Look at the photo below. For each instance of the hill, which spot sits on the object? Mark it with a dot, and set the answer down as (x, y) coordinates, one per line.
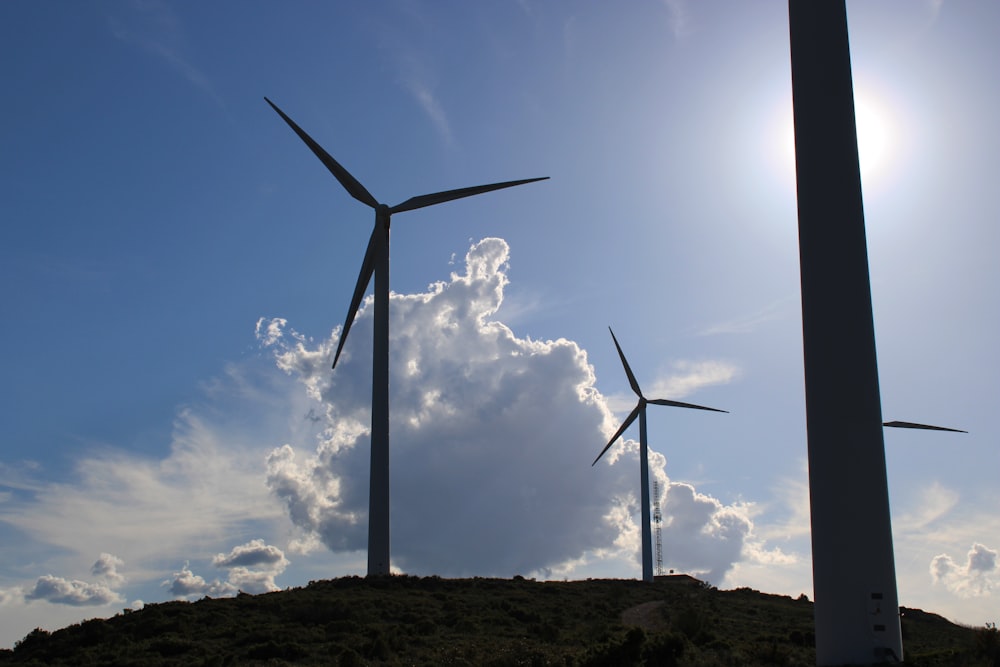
(403, 620)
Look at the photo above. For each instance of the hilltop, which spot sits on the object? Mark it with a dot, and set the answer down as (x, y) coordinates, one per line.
(403, 620)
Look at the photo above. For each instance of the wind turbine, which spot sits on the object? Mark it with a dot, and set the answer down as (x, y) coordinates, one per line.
(640, 411)
(377, 261)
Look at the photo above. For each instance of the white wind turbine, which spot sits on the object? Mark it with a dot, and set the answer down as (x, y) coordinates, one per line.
(377, 261)
(640, 411)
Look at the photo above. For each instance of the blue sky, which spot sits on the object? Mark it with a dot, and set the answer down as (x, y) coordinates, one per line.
(176, 266)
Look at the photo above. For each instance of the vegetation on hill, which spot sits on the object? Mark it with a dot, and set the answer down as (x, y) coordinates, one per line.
(404, 620)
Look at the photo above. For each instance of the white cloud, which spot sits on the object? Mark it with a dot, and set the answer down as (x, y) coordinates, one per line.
(976, 578)
(71, 592)
(74, 592)
(936, 502)
(750, 322)
(269, 331)
(688, 377)
(253, 553)
(432, 106)
(252, 581)
(186, 584)
(685, 378)
(679, 21)
(9, 595)
(700, 534)
(106, 567)
(253, 566)
(154, 27)
(492, 440)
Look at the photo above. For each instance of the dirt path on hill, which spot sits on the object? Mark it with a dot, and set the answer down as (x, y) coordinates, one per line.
(647, 616)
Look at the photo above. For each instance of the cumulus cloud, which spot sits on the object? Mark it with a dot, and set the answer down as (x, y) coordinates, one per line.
(492, 439)
(58, 590)
(253, 566)
(106, 568)
(253, 553)
(186, 584)
(977, 577)
(250, 568)
(71, 592)
(700, 534)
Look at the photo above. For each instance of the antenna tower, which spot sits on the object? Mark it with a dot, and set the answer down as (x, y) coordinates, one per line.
(657, 522)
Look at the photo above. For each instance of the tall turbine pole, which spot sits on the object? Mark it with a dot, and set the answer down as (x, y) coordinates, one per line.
(854, 578)
(378, 488)
(647, 546)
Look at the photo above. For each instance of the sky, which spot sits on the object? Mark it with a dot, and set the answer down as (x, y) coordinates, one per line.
(176, 266)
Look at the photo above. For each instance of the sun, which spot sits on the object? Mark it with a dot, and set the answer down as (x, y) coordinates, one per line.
(875, 136)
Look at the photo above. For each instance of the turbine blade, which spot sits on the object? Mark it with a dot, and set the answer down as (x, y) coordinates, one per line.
(448, 195)
(628, 369)
(351, 184)
(621, 429)
(678, 404)
(367, 268)
(926, 427)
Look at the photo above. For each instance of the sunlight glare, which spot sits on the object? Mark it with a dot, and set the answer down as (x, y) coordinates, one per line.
(874, 136)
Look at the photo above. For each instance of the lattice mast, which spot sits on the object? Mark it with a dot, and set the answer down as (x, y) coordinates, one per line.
(657, 524)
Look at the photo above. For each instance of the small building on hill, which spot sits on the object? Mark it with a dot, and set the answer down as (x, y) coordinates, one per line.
(681, 579)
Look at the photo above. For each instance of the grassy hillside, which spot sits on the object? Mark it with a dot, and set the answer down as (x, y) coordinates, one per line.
(404, 620)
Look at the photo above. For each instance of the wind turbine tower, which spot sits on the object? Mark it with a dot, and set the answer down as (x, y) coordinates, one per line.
(376, 262)
(854, 577)
(640, 411)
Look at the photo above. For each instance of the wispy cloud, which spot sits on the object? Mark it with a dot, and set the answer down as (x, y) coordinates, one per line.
(679, 18)
(205, 485)
(749, 322)
(687, 377)
(936, 501)
(432, 107)
(154, 27)
(684, 378)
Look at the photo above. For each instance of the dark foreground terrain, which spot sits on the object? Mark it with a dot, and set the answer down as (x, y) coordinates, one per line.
(404, 620)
